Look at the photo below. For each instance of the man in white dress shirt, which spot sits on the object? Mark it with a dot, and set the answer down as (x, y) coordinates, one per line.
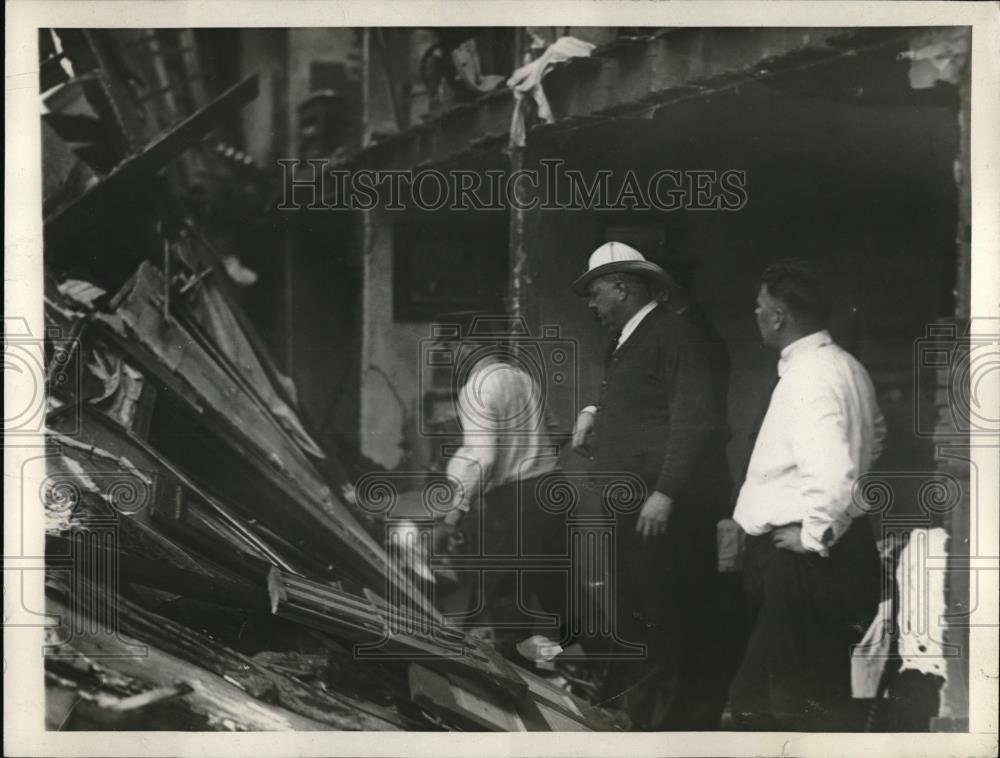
(812, 571)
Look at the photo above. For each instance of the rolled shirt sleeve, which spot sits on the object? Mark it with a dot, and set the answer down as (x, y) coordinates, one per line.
(471, 466)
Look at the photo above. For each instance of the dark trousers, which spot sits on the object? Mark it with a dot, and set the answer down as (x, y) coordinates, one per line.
(513, 597)
(665, 588)
(806, 612)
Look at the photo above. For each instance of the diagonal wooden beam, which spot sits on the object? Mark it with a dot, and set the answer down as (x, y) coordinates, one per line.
(98, 201)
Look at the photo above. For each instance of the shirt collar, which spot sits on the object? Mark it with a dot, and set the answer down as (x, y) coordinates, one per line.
(633, 322)
(802, 346)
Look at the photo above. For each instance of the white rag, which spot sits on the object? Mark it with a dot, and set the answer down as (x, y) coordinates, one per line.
(922, 603)
(919, 615)
(869, 657)
(528, 79)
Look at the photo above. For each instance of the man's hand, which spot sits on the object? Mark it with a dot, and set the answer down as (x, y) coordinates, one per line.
(789, 537)
(446, 531)
(454, 517)
(654, 515)
(446, 537)
(581, 432)
(443, 532)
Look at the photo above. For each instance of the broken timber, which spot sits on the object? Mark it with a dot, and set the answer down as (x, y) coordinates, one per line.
(133, 171)
(385, 632)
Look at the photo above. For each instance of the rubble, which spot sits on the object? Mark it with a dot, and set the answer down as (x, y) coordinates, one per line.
(207, 565)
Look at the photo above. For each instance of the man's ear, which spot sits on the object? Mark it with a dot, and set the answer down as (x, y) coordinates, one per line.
(780, 318)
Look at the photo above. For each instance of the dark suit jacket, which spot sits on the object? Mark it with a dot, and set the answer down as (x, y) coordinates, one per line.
(660, 415)
(716, 461)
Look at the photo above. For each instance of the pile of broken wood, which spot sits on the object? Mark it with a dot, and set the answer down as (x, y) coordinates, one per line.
(203, 571)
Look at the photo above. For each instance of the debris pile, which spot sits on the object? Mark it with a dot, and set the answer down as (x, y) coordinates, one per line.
(203, 567)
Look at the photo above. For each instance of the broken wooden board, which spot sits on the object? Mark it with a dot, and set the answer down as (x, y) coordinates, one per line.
(384, 633)
(463, 702)
(161, 346)
(469, 704)
(445, 651)
(200, 585)
(134, 172)
(214, 702)
(229, 540)
(150, 631)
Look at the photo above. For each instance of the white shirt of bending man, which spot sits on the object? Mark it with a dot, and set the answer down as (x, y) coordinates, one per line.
(823, 429)
(505, 434)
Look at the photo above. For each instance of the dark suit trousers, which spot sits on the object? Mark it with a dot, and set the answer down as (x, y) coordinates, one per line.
(806, 611)
(664, 588)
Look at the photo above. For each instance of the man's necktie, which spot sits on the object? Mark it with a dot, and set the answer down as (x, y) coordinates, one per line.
(612, 347)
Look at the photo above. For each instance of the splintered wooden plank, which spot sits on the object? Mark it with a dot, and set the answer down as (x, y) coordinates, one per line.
(561, 710)
(453, 658)
(216, 698)
(318, 601)
(190, 497)
(133, 173)
(551, 695)
(338, 627)
(559, 721)
(333, 617)
(463, 701)
(144, 699)
(256, 436)
(318, 610)
(371, 605)
(320, 607)
(251, 676)
(297, 592)
(454, 696)
(196, 584)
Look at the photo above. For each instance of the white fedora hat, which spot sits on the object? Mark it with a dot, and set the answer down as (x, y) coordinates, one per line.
(619, 258)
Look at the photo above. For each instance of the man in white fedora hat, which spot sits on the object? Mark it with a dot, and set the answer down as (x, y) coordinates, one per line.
(656, 418)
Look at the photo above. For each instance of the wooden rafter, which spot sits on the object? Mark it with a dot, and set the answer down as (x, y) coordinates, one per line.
(129, 176)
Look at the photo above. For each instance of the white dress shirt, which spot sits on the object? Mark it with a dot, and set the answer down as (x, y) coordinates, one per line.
(505, 434)
(626, 332)
(823, 429)
(632, 323)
